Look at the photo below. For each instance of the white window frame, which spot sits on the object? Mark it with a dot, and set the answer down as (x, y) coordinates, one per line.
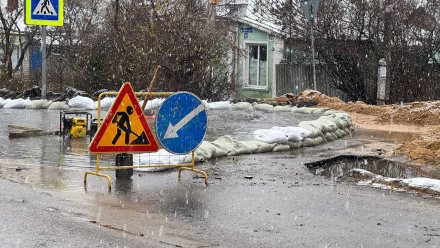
(246, 84)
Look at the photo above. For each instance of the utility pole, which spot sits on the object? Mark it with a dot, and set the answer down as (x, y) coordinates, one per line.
(310, 8)
(312, 22)
(43, 62)
(387, 40)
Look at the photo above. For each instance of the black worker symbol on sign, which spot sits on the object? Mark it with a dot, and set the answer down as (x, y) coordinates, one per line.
(123, 124)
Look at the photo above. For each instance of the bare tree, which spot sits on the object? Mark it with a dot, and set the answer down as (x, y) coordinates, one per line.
(353, 35)
(13, 37)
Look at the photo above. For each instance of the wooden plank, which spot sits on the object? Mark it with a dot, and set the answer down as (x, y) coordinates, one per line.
(25, 128)
(28, 134)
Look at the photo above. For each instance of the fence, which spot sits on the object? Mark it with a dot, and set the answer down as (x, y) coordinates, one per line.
(294, 78)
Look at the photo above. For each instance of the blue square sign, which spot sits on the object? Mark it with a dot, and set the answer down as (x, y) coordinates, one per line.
(44, 12)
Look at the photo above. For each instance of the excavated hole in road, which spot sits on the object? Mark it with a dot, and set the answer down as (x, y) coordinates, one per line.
(338, 167)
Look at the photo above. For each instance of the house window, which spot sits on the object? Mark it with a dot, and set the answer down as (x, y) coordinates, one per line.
(257, 66)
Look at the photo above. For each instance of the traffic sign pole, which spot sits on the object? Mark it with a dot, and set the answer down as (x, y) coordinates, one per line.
(44, 13)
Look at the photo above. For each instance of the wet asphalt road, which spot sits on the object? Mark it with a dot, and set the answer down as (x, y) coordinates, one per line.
(263, 200)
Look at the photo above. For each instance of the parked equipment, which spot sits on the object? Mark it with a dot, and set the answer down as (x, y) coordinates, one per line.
(75, 124)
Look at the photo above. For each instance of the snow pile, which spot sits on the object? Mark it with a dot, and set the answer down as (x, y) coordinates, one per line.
(38, 104)
(3, 102)
(106, 103)
(222, 105)
(58, 106)
(423, 184)
(19, 103)
(81, 102)
(281, 135)
(161, 157)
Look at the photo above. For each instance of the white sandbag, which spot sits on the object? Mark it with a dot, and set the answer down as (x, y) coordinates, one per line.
(261, 147)
(281, 148)
(304, 110)
(19, 103)
(226, 143)
(343, 116)
(263, 107)
(293, 133)
(308, 142)
(38, 104)
(206, 151)
(340, 133)
(312, 141)
(231, 146)
(319, 140)
(317, 128)
(282, 109)
(58, 106)
(3, 102)
(294, 145)
(106, 103)
(330, 112)
(341, 123)
(222, 105)
(161, 157)
(245, 106)
(270, 136)
(314, 131)
(330, 137)
(251, 145)
(320, 111)
(81, 102)
(328, 123)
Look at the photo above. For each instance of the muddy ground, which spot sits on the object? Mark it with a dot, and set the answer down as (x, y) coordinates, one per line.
(420, 120)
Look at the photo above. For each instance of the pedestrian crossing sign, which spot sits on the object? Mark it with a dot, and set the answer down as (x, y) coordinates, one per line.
(125, 128)
(44, 12)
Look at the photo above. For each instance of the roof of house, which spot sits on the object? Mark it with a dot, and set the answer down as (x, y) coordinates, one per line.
(253, 14)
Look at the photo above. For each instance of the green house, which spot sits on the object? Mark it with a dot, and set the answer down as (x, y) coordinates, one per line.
(259, 48)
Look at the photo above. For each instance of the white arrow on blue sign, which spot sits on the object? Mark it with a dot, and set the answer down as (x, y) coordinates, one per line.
(181, 123)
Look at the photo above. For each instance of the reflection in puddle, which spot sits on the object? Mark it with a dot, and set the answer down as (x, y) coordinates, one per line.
(341, 165)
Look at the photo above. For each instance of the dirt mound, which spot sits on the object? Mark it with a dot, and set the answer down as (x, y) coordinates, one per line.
(424, 148)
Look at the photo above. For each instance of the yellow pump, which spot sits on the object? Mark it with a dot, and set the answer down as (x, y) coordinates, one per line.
(79, 127)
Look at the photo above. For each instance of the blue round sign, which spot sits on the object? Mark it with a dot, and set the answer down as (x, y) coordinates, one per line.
(181, 123)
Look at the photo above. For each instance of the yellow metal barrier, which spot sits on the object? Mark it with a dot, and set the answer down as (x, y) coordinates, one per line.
(185, 166)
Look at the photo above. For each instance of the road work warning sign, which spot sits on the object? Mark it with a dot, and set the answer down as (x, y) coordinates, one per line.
(125, 128)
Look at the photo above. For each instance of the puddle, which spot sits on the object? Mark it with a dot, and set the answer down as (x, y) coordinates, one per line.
(384, 136)
(341, 165)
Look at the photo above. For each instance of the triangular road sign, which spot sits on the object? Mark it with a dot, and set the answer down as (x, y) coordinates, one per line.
(125, 128)
(45, 7)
